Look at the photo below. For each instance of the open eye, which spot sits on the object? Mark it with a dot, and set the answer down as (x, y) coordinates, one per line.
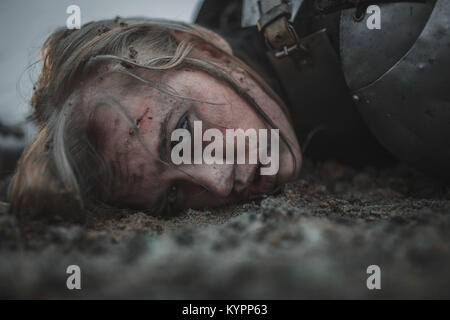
(182, 124)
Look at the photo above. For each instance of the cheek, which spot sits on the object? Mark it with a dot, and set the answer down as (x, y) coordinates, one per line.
(139, 179)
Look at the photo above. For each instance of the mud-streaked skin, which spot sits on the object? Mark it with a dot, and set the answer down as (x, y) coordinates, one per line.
(144, 176)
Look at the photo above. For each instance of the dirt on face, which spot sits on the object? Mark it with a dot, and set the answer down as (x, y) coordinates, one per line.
(315, 239)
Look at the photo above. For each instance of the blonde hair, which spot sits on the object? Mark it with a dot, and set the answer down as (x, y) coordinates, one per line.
(60, 171)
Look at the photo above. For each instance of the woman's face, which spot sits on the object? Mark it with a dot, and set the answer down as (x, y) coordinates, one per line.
(144, 174)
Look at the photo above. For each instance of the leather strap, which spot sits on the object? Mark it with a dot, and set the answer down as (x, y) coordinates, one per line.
(274, 23)
(270, 10)
(280, 35)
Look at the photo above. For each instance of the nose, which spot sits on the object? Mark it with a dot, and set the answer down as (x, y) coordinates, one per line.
(217, 178)
(244, 176)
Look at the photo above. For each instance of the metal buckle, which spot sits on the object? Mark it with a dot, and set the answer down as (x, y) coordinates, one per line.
(286, 51)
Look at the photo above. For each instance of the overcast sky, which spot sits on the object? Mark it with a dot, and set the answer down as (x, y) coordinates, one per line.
(24, 26)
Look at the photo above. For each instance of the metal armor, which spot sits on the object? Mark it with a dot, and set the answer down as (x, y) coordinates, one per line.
(347, 79)
(404, 96)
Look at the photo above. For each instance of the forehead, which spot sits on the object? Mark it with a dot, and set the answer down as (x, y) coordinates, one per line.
(115, 101)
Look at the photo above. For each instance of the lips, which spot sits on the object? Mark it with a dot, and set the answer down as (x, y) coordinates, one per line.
(263, 184)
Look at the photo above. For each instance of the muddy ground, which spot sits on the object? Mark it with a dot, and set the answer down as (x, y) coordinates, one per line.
(313, 240)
